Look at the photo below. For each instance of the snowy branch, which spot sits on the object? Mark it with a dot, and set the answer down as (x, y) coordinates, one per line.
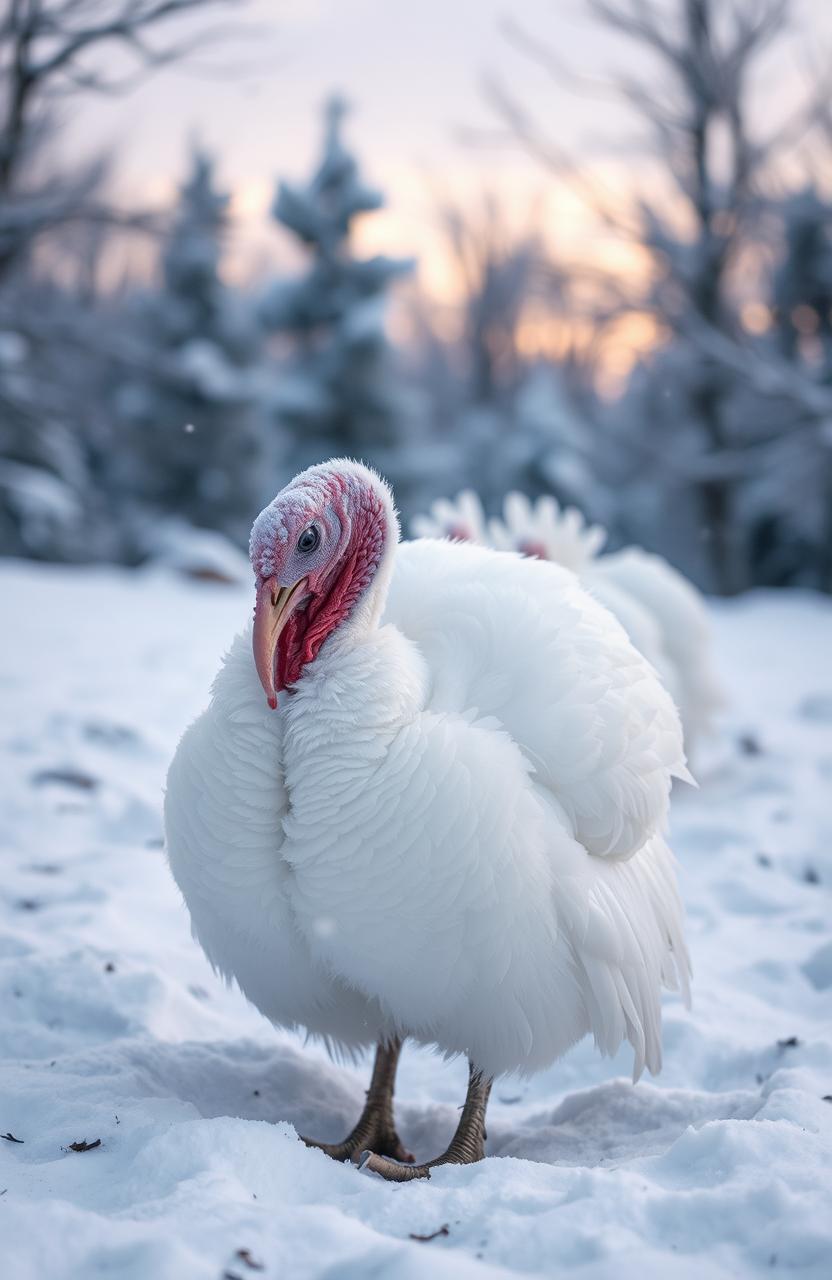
(44, 51)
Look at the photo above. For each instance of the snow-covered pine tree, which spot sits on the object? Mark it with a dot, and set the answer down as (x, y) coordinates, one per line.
(192, 429)
(55, 211)
(336, 390)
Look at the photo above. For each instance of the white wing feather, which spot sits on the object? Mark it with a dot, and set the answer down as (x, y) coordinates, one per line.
(518, 640)
(663, 614)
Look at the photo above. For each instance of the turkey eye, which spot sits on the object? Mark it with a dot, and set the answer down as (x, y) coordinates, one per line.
(309, 539)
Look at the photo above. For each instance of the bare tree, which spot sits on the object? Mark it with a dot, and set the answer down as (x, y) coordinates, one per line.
(499, 270)
(49, 51)
(507, 376)
(694, 109)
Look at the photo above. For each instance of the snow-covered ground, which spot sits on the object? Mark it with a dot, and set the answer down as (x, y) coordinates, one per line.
(113, 1028)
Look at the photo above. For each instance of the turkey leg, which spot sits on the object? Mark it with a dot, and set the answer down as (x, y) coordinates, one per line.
(467, 1145)
(376, 1127)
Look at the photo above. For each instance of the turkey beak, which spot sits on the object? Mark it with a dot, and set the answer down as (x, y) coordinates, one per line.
(271, 613)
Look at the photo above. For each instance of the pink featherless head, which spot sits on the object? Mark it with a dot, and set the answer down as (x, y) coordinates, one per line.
(315, 550)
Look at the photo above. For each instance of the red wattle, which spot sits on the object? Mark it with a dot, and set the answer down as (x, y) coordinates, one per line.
(334, 598)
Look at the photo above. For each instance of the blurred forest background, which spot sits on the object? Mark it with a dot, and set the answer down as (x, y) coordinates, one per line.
(677, 389)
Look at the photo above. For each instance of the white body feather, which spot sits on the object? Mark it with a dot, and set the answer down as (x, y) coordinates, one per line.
(452, 828)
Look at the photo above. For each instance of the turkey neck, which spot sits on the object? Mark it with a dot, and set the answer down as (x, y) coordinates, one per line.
(365, 683)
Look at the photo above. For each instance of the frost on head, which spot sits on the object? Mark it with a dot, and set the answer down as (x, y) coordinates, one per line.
(340, 484)
(269, 528)
(270, 531)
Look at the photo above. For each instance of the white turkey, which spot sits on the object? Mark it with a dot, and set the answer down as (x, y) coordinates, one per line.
(661, 611)
(428, 799)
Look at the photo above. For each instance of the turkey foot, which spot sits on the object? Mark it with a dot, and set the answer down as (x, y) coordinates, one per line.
(376, 1127)
(467, 1145)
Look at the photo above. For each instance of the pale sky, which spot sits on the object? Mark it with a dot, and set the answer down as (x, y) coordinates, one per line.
(413, 70)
